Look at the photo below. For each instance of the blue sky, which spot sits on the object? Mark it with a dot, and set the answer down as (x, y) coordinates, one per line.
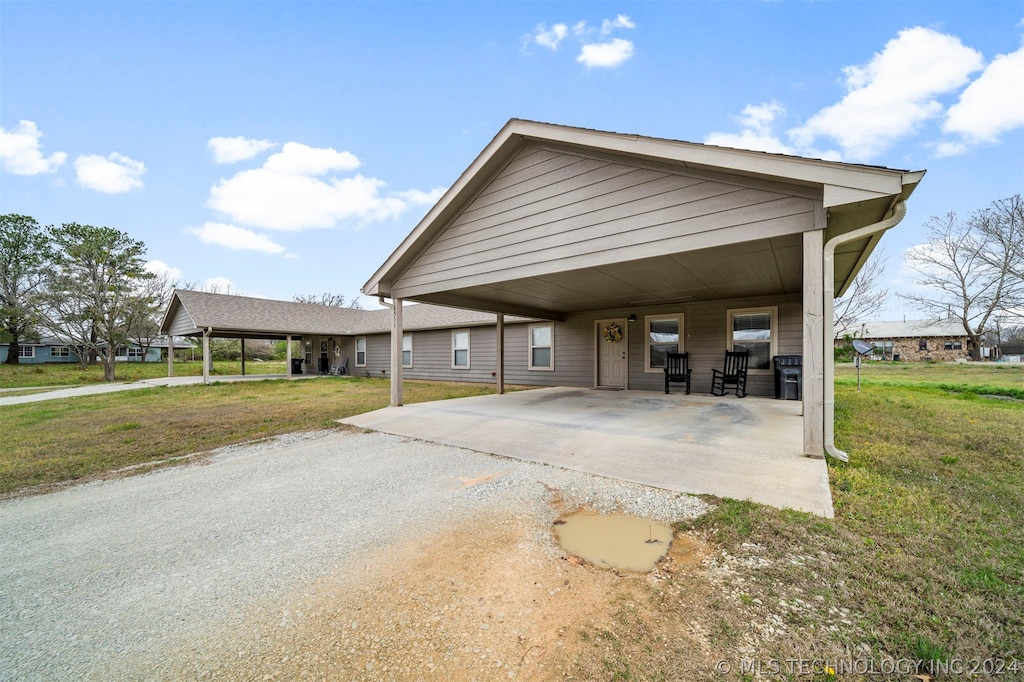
(287, 148)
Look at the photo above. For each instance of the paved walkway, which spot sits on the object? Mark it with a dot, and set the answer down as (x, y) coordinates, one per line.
(748, 448)
(94, 389)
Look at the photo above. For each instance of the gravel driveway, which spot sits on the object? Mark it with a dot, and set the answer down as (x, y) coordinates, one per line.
(95, 580)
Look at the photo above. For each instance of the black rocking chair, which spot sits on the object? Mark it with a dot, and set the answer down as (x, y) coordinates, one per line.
(677, 369)
(733, 375)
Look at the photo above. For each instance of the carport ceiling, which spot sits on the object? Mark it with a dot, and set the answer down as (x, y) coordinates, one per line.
(758, 268)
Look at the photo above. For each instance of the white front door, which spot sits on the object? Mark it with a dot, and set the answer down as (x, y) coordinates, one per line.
(611, 354)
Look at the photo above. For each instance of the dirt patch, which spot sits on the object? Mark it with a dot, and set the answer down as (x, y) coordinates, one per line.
(485, 600)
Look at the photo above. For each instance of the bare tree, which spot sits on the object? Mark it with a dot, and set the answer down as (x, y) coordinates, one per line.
(970, 270)
(863, 297)
(146, 308)
(1002, 224)
(333, 300)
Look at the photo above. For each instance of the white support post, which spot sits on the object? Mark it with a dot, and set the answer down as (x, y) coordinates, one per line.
(814, 346)
(206, 356)
(288, 355)
(499, 344)
(396, 352)
(170, 355)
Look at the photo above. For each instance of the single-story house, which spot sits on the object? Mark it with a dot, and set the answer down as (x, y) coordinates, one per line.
(52, 349)
(1011, 353)
(915, 340)
(572, 257)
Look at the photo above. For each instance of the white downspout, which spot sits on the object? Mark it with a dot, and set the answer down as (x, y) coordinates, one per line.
(829, 267)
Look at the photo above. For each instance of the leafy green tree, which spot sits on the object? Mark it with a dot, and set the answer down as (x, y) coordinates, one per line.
(24, 256)
(93, 289)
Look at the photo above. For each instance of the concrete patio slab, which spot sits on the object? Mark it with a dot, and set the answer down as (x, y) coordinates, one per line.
(748, 448)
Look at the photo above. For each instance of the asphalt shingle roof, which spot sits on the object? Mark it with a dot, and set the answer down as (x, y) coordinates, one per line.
(897, 329)
(246, 314)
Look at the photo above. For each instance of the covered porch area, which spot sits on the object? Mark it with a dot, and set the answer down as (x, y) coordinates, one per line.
(746, 449)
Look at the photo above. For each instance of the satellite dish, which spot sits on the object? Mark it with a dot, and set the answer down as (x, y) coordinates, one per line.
(863, 347)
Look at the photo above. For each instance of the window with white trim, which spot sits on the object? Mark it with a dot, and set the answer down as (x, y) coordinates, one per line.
(664, 336)
(407, 350)
(460, 348)
(26, 351)
(60, 352)
(360, 351)
(754, 329)
(542, 346)
(134, 352)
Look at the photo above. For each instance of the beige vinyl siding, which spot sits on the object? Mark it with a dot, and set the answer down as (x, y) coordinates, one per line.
(181, 324)
(575, 340)
(551, 211)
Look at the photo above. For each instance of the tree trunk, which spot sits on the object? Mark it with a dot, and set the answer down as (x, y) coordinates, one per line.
(975, 346)
(108, 368)
(12, 352)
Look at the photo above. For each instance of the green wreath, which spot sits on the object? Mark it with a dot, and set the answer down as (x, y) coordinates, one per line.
(612, 333)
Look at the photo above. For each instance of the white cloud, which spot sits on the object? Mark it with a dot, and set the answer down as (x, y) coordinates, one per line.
(421, 198)
(218, 285)
(236, 238)
(890, 96)
(234, 149)
(621, 21)
(299, 159)
(757, 130)
(993, 104)
(550, 38)
(605, 55)
(162, 269)
(111, 175)
(19, 149)
(287, 194)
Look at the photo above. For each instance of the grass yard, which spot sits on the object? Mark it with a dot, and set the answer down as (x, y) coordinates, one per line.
(62, 440)
(925, 556)
(922, 566)
(71, 374)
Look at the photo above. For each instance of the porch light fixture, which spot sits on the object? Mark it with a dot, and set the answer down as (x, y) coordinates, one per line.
(632, 317)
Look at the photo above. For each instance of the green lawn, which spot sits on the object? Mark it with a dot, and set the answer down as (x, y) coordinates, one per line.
(925, 556)
(62, 440)
(71, 374)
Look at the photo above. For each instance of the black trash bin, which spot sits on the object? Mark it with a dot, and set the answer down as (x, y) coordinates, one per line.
(296, 365)
(788, 376)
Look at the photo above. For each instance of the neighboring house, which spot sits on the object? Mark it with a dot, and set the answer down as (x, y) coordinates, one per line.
(915, 340)
(1011, 353)
(46, 349)
(609, 251)
(52, 349)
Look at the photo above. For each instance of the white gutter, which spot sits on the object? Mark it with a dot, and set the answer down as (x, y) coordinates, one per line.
(829, 267)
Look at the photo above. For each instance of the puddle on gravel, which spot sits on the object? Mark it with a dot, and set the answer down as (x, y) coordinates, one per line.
(614, 541)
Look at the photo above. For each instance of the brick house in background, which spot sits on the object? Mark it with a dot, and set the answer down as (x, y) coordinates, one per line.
(915, 340)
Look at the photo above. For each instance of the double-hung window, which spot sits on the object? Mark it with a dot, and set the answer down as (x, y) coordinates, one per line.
(60, 352)
(360, 351)
(407, 350)
(754, 330)
(664, 336)
(460, 348)
(26, 351)
(542, 346)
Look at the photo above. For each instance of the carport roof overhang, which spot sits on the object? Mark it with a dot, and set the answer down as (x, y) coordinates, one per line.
(744, 260)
